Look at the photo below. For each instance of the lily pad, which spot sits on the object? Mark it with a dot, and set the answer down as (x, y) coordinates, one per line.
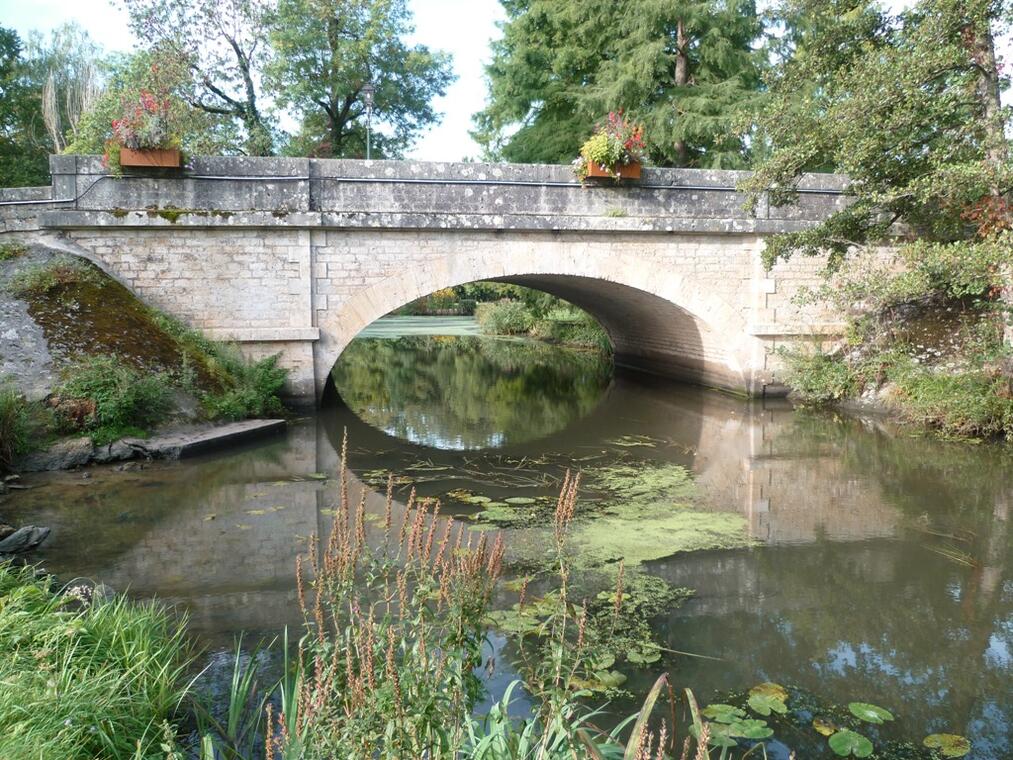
(846, 742)
(604, 661)
(613, 679)
(764, 704)
(751, 728)
(643, 656)
(519, 500)
(949, 745)
(719, 735)
(824, 727)
(723, 713)
(769, 689)
(476, 499)
(870, 713)
(317, 476)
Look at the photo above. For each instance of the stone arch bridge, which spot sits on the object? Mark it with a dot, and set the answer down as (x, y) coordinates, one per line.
(296, 256)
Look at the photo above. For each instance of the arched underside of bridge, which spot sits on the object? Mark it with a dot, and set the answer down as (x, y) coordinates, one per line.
(658, 321)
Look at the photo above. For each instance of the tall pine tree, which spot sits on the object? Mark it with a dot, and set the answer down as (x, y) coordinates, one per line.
(687, 70)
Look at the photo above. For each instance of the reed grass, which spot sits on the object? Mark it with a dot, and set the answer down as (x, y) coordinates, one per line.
(84, 678)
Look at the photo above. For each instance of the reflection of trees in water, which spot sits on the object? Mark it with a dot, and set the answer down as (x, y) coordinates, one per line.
(880, 621)
(467, 392)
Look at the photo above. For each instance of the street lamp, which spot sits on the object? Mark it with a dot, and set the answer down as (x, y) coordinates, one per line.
(368, 90)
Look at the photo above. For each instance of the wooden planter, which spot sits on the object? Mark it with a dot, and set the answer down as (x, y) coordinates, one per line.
(164, 158)
(626, 171)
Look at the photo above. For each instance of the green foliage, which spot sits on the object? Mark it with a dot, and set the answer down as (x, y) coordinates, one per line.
(252, 390)
(870, 713)
(126, 400)
(158, 70)
(906, 106)
(12, 250)
(242, 388)
(84, 679)
(22, 425)
(846, 742)
(325, 51)
(24, 159)
(504, 317)
(212, 54)
(41, 279)
(818, 378)
(688, 71)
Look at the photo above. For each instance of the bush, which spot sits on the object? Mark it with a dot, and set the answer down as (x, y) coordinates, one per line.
(968, 404)
(253, 388)
(15, 425)
(581, 331)
(504, 317)
(126, 401)
(817, 378)
(83, 678)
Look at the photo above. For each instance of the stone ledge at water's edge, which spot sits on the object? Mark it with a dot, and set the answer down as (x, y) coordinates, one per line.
(171, 444)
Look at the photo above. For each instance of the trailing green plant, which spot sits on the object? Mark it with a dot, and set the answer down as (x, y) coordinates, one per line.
(85, 677)
(818, 378)
(126, 401)
(251, 387)
(504, 317)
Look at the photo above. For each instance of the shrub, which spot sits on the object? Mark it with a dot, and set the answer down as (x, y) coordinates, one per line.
(83, 678)
(12, 250)
(818, 378)
(504, 317)
(968, 404)
(126, 401)
(20, 425)
(252, 390)
(581, 331)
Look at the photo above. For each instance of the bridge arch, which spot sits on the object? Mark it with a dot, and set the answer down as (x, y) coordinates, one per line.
(659, 320)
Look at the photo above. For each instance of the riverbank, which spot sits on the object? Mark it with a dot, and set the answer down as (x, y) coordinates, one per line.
(87, 370)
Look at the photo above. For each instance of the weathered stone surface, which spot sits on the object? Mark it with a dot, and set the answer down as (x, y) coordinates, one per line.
(23, 540)
(62, 455)
(296, 256)
(185, 443)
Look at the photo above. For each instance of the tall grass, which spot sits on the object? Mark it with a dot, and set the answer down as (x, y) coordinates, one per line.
(84, 679)
(15, 425)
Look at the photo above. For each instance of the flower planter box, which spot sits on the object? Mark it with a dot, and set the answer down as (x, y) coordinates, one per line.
(626, 171)
(165, 158)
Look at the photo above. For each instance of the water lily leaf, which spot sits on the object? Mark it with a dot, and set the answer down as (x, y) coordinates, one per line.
(769, 689)
(723, 713)
(642, 656)
(476, 499)
(612, 678)
(604, 661)
(210, 517)
(870, 713)
(949, 745)
(256, 511)
(519, 500)
(496, 504)
(719, 735)
(317, 476)
(750, 728)
(764, 704)
(824, 727)
(846, 742)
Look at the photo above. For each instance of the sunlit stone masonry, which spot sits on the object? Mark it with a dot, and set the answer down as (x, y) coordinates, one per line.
(296, 256)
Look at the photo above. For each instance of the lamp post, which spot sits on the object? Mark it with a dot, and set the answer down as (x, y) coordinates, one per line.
(368, 90)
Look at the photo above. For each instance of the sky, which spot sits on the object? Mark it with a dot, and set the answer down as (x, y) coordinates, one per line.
(462, 27)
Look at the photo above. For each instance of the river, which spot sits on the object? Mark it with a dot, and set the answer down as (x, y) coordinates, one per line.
(842, 556)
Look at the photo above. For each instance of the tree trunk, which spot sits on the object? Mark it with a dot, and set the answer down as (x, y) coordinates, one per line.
(681, 80)
(982, 45)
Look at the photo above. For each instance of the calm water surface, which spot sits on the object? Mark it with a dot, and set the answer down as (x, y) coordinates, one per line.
(868, 564)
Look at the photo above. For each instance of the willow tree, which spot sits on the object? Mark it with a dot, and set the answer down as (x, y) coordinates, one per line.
(326, 51)
(689, 71)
